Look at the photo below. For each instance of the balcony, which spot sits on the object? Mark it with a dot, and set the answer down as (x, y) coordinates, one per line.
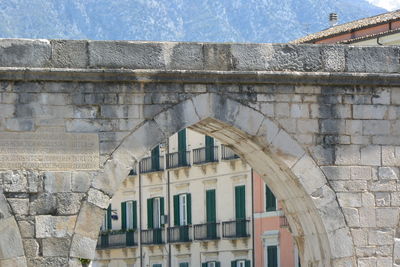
(153, 236)
(205, 155)
(236, 229)
(178, 159)
(151, 164)
(283, 222)
(117, 239)
(207, 231)
(227, 153)
(179, 234)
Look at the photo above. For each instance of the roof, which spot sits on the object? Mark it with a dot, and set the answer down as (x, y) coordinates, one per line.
(350, 27)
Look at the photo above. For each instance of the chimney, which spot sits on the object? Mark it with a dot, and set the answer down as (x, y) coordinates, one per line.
(333, 18)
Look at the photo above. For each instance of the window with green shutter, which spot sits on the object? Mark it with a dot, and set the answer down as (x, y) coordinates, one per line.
(240, 263)
(270, 200)
(150, 224)
(240, 210)
(157, 265)
(123, 215)
(184, 264)
(272, 256)
(109, 222)
(182, 147)
(209, 148)
(182, 209)
(155, 158)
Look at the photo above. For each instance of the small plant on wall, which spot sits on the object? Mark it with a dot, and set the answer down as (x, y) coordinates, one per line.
(85, 262)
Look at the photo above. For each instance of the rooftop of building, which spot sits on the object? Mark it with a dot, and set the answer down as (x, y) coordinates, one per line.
(353, 26)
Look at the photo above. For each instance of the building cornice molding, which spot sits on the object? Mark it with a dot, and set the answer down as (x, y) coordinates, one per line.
(197, 76)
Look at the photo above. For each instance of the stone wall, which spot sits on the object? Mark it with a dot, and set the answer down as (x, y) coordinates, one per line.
(319, 123)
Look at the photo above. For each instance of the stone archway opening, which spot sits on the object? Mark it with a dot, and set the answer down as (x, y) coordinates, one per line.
(314, 216)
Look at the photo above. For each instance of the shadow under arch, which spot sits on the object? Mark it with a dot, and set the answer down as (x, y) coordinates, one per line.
(311, 207)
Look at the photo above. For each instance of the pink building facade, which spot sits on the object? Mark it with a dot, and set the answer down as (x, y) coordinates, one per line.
(273, 243)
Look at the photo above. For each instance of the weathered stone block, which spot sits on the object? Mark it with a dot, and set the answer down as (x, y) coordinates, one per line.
(44, 203)
(348, 155)
(55, 182)
(54, 226)
(27, 229)
(83, 247)
(388, 173)
(14, 182)
(387, 217)
(69, 203)
(85, 224)
(10, 241)
(31, 248)
(19, 206)
(56, 247)
(98, 198)
(21, 53)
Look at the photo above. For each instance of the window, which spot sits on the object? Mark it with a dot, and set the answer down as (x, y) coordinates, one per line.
(157, 265)
(155, 209)
(270, 200)
(209, 148)
(128, 215)
(184, 264)
(182, 148)
(272, 256)
(211, 264)
(240, 263)
(182, 210)
(271, 248)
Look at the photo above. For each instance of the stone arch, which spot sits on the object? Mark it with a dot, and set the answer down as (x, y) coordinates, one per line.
(314, 215)
(11, 246)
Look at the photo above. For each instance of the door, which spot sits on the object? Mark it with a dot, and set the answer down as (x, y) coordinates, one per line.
(209, 149)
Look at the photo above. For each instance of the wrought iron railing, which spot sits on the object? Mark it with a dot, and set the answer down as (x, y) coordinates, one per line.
(117, 239)
(205, 154)
(206, 231)
(179, 234)
(151, 164)
(153, 236)
(178, 159)
(236, 229)
(283, 222)
(227, 153)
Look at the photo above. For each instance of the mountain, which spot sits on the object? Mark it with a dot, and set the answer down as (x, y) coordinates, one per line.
(175, 20)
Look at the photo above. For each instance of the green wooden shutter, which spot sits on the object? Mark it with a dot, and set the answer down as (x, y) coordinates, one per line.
(155, 158)
(247, 263)
(134, 214)
(240, 202)
(209, 148)
(162, 208)
(109, 223)
(182, 147)
(123, 215)
(150, 213)
(189, 208)
(217, 264)
(270, 200)
(184, 264)
(272, 252)
(211, 215)
(233, 263)
(176, 210)
(204, 264)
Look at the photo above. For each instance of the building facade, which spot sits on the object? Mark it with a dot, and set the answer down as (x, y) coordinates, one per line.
(194, 202)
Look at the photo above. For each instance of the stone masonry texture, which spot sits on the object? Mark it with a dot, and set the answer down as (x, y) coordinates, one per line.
(320, 123)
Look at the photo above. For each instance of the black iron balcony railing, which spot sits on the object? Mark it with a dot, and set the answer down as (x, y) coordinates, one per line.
(283, 222)
(207, 231)
(153, 236)
(179, 234)
(117, 239)
(236, 229)
(178, 159)
(227, 153)
(205, 154)
(151, 164)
